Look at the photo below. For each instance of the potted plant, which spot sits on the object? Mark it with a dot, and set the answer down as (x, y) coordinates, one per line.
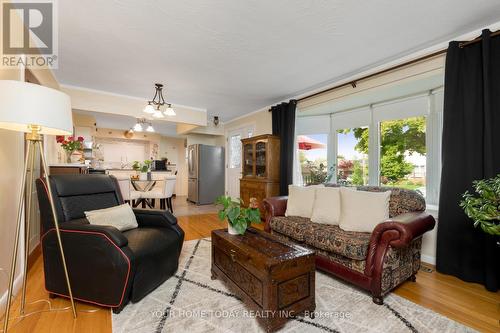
(71, 146)
(484, 208)
(239, 218)
(143, 168)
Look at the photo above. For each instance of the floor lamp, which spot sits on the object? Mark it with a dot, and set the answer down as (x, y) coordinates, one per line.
(36, 110)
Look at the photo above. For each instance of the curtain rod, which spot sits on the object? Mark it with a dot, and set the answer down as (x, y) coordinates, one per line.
(431, 55)
(478, 39)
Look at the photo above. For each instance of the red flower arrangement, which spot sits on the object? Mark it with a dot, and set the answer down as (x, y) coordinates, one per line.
(70, 144)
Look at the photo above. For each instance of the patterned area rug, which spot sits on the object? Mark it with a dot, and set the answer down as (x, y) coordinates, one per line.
(192, 302)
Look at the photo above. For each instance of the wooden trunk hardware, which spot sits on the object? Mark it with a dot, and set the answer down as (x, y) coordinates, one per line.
(275, 278)
(260, 168)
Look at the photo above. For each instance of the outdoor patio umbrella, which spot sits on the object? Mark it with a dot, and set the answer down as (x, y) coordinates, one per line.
(307, 143)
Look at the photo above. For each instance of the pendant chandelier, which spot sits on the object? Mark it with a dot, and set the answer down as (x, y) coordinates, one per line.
(157, 102)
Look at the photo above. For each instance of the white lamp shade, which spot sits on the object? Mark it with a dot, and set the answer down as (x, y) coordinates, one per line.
(170, 111)
(137, 127)
(158, 114)
(23, 104)
(149, 109)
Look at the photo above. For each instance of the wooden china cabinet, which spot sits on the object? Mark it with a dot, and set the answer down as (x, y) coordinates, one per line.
(260, 168)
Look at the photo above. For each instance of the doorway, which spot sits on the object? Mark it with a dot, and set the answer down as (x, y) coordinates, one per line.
(234, 158)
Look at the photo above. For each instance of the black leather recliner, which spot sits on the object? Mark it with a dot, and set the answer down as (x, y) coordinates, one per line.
(105, 266)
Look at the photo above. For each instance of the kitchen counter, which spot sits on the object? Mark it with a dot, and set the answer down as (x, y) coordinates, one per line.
(114, 169)
(68, 165)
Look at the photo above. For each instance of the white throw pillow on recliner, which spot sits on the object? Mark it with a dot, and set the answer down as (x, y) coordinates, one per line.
(327, 206)
(121, 217)
(300, 200)
(362, 211)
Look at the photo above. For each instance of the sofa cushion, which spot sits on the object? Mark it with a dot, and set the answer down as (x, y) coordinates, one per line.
(326, 207)
(331, 238)
(300, 201)
(355, 265)
(362, 211)
(402, 200)
(294, 227)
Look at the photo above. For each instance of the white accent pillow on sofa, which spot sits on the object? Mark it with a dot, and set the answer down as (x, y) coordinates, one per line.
(361, 210)
(121, 217)
(326, 207)
(300, 200)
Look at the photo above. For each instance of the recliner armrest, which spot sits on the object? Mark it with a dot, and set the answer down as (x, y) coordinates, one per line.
(274, 206)
(83, 226)
(154, 218)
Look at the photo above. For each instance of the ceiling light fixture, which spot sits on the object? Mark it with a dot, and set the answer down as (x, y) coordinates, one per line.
(170, 111)
(158, 115)
(143, 125)
(154, 105)
(137, 127)
(149, 109)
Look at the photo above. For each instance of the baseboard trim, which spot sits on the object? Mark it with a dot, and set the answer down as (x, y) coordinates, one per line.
(34, 255)
(17, 287)
(428, 259)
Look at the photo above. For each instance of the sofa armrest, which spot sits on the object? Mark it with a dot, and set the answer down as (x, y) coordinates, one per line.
(154, 218)
(273, 206)
(82, 225)
(408, 227)
(397, 232)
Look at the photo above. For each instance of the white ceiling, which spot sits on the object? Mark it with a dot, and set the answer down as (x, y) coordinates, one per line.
(113, 121)
(233, 57)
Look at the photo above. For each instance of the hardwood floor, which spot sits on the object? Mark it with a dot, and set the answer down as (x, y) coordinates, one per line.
(464, 302)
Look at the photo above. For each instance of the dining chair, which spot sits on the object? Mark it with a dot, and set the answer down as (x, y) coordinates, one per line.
(164, 193)
(128, 194)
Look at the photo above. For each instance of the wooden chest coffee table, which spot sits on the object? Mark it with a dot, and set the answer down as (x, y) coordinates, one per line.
(273, 277)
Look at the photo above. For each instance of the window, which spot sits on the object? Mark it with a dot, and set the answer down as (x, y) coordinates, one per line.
(403, 153)
(352, 156)
(235, 151)
(394, 143)
(312, 154)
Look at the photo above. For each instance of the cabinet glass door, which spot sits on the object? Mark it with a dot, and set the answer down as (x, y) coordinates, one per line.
(260, 159)
(248, 161)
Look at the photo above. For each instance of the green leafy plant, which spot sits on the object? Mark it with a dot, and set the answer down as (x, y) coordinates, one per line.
(239, 217)
(142, 167)
(484, 208)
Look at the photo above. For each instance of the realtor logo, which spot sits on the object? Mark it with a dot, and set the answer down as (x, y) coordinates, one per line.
(29, 33)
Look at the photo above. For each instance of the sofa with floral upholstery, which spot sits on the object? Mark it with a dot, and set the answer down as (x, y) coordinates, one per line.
(378, 261)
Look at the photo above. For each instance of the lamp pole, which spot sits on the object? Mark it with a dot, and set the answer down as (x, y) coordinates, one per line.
(34, 140)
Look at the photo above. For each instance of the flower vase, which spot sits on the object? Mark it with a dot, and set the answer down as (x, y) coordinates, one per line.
(231, 230)
(68, 155)
(143, 176)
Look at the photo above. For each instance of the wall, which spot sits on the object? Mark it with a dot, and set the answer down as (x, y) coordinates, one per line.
(211, 140)
(174, 150)
(151, 139)
(261, 119)
(12, 154)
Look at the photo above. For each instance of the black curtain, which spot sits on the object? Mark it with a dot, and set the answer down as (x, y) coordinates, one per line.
(471, 150)
(284, 127)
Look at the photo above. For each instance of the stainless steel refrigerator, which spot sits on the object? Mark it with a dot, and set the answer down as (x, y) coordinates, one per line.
(206, 173)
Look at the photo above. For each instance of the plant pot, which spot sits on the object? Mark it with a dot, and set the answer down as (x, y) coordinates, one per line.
(143, 176)
(231, 230)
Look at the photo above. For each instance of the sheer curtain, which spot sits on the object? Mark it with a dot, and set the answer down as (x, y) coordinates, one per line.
(297, 169)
